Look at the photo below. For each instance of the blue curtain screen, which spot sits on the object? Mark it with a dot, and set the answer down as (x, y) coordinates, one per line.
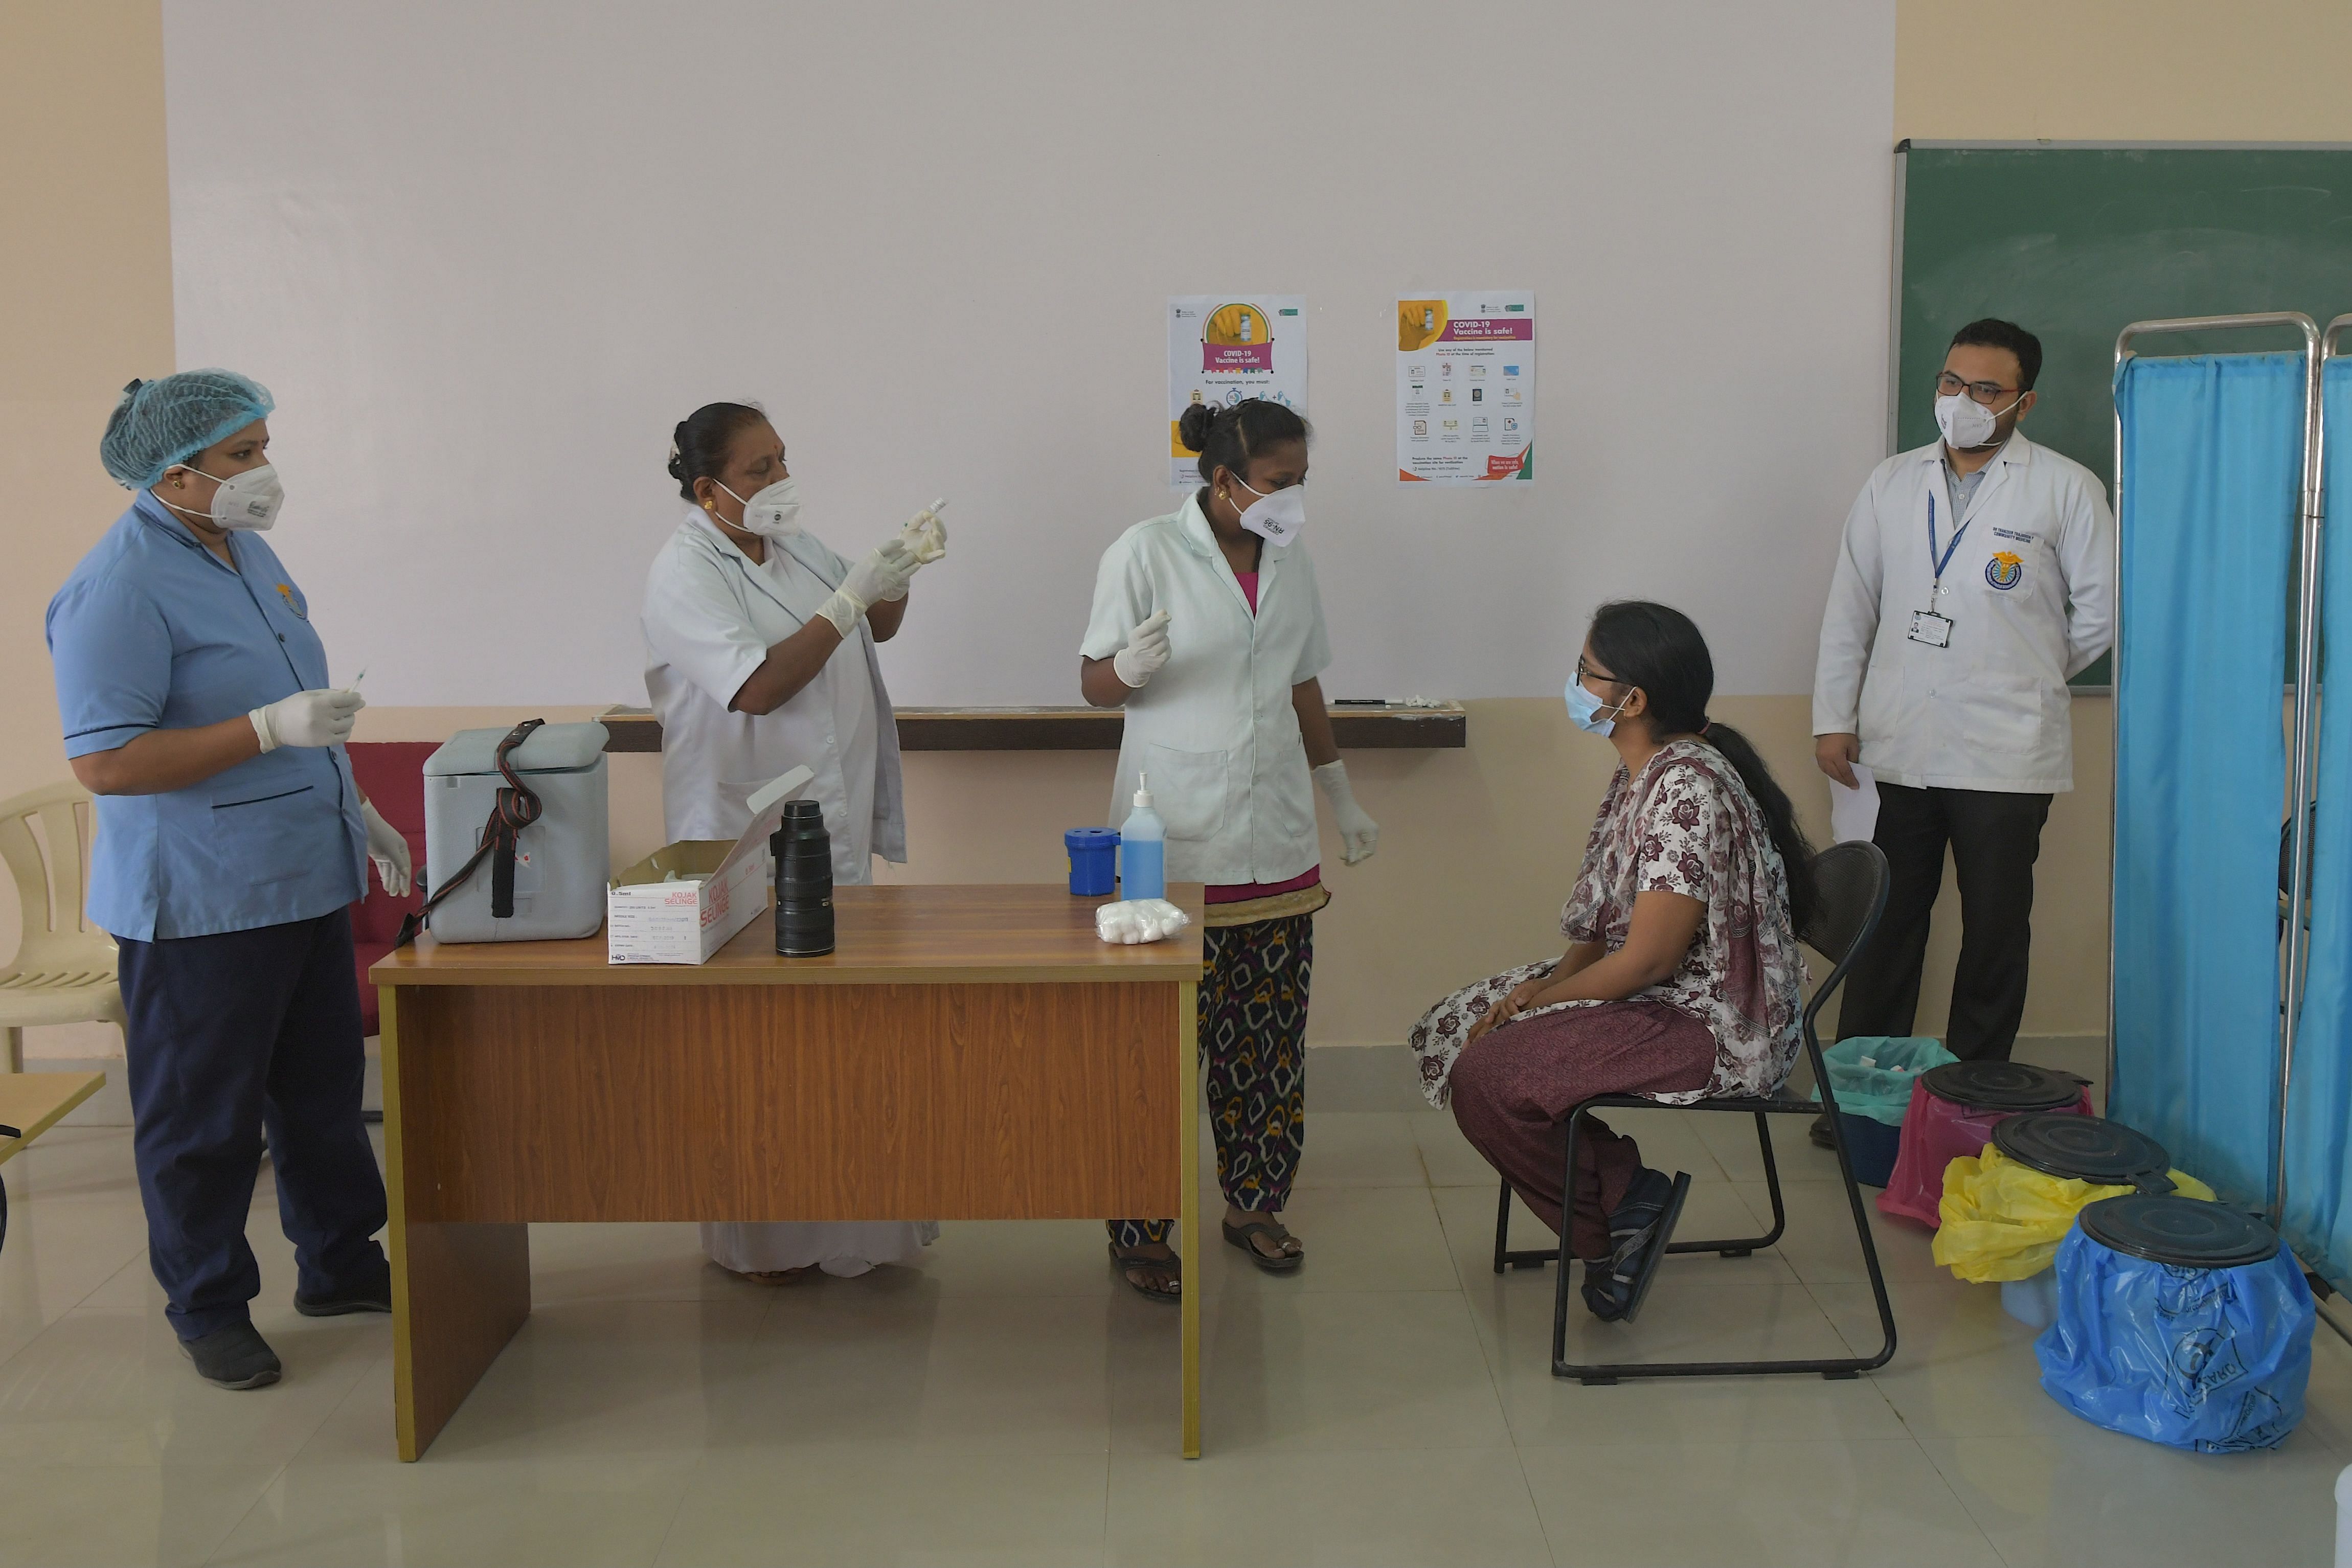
(2211, 466)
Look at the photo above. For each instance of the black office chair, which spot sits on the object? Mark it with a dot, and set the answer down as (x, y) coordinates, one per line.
(1851, 879)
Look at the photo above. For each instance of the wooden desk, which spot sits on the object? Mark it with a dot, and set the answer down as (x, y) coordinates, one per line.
(967, 1052)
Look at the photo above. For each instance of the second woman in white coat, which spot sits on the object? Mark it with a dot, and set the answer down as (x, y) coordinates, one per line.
(1207, 628)
(760, 658)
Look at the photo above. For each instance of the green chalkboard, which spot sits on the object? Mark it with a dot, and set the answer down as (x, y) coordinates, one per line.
(2076, 243)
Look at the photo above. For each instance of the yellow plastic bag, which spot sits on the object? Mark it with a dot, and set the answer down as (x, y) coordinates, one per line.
(2002, 1220)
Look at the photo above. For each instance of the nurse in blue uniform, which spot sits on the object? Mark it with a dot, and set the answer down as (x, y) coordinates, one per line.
(231, 843)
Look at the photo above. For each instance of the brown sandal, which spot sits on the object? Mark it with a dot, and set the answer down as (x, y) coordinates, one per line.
(1170, 1268)
(1276, 1262)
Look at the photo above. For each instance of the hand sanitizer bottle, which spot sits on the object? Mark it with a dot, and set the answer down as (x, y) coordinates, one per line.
(1142, 848)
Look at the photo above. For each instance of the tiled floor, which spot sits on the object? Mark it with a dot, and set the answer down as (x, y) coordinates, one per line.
(1010, 1403)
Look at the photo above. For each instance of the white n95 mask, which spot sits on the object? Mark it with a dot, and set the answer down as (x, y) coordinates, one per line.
(1274, 517)
(773, 513)
(246, 500)
(1966, 423)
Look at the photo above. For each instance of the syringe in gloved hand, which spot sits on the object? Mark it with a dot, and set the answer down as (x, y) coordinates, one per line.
(926, 534)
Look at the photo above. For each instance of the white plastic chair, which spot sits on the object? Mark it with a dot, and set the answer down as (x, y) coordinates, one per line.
(64, 968)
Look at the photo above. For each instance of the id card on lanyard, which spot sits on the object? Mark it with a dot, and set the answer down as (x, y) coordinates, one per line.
(1929, 627)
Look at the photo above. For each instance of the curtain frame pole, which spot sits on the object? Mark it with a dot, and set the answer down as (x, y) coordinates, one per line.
(2331, 339)
(2306, 658)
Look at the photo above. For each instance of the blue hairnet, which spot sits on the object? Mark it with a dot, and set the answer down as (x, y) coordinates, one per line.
(165, 422)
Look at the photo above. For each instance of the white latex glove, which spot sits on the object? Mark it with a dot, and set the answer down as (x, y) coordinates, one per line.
(1146, 651)
(1135, 919)
(925, 535)
(1360, 836)
(316, 717)
(883, 574)
(388, 849)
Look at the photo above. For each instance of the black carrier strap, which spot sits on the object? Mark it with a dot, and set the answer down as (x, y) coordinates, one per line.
(517, 809)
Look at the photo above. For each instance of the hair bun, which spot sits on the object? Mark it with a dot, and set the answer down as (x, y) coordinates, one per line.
(1194, 425)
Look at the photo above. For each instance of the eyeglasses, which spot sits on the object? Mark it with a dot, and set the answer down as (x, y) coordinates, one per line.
(1985, 393)
(1584, 670)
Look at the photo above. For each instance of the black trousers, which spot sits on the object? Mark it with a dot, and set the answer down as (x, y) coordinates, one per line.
(1995, 839)
(231, 1034)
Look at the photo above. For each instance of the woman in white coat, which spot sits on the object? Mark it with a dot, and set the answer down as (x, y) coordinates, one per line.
(1208, 630)
(760, 658)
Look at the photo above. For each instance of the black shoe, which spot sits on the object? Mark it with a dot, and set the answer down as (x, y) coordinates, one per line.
(374, 1296)
(1639, 1230)
(234, 1357)
(1822, 1137)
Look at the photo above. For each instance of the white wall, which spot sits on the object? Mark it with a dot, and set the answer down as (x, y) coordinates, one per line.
(487, 255)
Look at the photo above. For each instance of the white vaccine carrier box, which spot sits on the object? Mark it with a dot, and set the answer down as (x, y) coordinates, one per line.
(561, 862)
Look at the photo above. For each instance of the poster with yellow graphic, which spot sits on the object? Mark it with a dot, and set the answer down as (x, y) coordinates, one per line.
(1226, 349)
(1466, 388)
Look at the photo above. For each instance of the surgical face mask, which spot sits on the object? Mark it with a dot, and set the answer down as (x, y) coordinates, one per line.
(773, 513)
(1585, 709)
(246, 500)
(1278, 517)
(1966, 423)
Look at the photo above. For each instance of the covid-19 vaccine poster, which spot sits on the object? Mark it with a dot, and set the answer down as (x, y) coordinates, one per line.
(1466, 388)
(1226, 349)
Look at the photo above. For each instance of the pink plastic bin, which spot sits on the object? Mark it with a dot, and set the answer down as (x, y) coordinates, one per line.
(1936, 1130)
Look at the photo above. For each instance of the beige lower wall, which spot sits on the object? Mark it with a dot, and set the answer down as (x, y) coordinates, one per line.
(1477, 848)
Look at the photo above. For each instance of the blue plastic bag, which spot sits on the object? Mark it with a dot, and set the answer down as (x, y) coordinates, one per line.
(1881, 1091)
(2213, 1360)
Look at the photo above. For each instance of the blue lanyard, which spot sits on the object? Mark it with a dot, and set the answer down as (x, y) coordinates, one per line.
(1940, 561)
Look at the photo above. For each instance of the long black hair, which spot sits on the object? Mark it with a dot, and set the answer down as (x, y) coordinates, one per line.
(698, 448)
(1228, 438)
(1660, 650)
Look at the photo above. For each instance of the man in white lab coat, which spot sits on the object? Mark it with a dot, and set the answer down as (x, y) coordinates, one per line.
(1976, 576)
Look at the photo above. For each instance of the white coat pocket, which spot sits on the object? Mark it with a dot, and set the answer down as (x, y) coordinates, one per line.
(1188, 788)
(2001, 712)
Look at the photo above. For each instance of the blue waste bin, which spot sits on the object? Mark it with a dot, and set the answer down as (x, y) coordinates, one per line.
(2182, 1323)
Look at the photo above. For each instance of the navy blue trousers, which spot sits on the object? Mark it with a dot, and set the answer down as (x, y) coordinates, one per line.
(231, 1035)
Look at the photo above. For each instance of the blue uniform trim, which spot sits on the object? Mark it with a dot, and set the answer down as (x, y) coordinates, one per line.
(260, 800)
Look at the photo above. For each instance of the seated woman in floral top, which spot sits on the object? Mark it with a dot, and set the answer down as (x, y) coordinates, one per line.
(1681, 981)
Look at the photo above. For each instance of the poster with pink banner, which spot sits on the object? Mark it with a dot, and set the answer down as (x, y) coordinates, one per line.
(1466, 388)
(1226, 349)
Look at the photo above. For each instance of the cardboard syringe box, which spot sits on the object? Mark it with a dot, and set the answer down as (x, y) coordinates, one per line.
(687, 900)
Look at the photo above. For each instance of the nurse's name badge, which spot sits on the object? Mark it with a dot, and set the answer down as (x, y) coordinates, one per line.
(286, 592)
(1934, 630)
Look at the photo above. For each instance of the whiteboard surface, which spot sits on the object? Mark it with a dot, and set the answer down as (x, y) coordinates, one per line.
(488, 256)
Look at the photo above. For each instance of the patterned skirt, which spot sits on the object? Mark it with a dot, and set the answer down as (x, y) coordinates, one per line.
(1254, 987)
